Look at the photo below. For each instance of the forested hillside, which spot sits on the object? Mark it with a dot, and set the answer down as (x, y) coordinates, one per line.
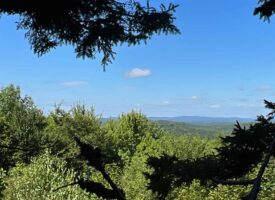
(73, 155)
(207, 130)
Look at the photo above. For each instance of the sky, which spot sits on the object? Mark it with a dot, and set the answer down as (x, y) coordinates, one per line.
(221, 65)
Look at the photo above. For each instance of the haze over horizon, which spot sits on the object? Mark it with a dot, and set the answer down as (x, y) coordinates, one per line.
(222, 65)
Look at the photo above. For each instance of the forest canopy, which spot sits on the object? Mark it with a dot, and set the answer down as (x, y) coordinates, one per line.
(73, 154)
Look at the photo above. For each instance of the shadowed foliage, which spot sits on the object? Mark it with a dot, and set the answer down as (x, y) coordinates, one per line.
(91, 154)
(98, 189)
(169, 172)
(90, 26)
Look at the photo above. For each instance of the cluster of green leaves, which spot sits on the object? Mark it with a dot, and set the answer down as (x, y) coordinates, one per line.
(21, 127)
(41, 178)
(45, 156)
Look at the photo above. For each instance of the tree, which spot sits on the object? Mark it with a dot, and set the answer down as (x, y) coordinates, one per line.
(63, 125)
(90, 26)
(127, 132)
(95, 159)
(22, 127)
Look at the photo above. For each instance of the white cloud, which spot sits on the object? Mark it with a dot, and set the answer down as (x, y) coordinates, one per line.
(165, 103)
(194, 97)
(215, 106)
(138, 73)
(70, 84)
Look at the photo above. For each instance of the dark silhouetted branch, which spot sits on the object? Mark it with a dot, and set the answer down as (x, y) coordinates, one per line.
(257, 184)
(120, 193)
(95, 158)
(93, 187)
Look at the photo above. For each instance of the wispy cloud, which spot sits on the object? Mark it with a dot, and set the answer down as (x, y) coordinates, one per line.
(71, 84)
(263, 88)
(216, 106)
(194, 97)
(165, 103)
(138, 73)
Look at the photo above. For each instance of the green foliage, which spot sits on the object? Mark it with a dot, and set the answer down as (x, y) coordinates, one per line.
(64, 125)
(134, 182)
(2, 182)
(267, 191)
(41, 178)
(188, 146)
(131, 153)
(133, 137)
(21, 127)
(127, 132)
(193, 191)
(223, 192)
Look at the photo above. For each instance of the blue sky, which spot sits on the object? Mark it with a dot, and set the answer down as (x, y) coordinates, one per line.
(223, 64)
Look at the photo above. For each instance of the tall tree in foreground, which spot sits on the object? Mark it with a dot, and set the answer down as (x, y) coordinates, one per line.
(91, 26)
(22, 127)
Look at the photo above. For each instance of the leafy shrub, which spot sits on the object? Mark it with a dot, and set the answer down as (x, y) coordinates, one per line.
(40, 178)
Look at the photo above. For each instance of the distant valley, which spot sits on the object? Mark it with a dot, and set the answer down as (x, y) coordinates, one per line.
(204, 126)
(203, 120)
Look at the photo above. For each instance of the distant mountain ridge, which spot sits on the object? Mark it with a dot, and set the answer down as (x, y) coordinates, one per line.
(203, 120)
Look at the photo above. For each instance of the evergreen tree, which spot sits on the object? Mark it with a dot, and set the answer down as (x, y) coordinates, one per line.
(90, 26)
